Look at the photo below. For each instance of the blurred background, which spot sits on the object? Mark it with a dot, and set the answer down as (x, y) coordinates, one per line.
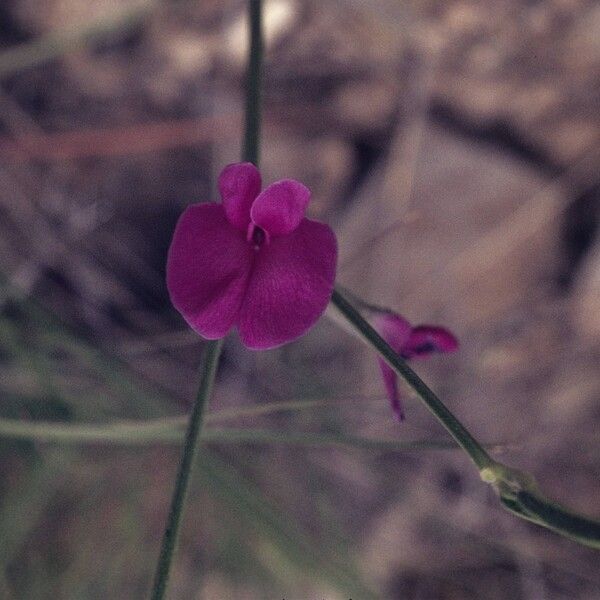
(453, 146)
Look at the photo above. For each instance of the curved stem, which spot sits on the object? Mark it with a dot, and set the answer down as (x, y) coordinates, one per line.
(560, 519)
(208, 372)
(456, 429)
(516, 490)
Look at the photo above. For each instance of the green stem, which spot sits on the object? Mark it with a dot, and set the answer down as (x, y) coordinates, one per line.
(208, 372)
(516, 490)
(170, 433)
(250, 149)
(560, 519)
(456, 429)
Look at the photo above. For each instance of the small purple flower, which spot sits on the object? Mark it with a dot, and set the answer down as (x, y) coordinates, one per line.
(408, 342)
(253, 262)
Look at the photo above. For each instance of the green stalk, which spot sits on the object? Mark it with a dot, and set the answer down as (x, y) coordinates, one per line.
(170, 433)
(208, 372)
(456, 429)
(517, 490)
(250, 153)
(250, 148)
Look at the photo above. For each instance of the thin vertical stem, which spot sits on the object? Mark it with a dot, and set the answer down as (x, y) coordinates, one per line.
(250, 149)
(208, 372)
(250, 152)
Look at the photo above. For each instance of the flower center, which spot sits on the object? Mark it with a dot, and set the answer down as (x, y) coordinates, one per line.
(257, 236)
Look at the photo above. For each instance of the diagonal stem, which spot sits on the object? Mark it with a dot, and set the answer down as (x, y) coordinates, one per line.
(208, 372)
(517, 490)
(456, 429)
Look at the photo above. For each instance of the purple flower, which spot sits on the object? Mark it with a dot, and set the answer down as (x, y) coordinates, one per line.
(253, 262)
(408, 342)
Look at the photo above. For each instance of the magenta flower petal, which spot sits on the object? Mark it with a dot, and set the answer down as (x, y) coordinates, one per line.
(239, 185)
(427, 339)
(393, 328)
(390, 380)
(208, 268)
(253, 262)
(279, 209)
(290, 286)
(408, 342)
